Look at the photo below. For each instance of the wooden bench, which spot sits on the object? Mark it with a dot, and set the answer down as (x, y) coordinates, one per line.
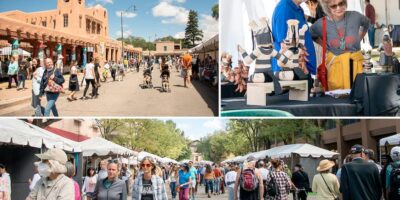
(257, 92)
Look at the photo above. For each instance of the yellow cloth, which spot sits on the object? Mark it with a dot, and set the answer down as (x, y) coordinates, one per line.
(339, 70)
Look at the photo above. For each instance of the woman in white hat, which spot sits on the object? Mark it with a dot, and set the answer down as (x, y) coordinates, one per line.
(53, 184)
(326, 184)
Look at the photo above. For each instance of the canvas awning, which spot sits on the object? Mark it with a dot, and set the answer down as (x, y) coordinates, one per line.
(207, 46)
(6, 51)
(143, 154)
(168, 160)
(18, 132)
(303, 150)
(102, 147)
(391, 140)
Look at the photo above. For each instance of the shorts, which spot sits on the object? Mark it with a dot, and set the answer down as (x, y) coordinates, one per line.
(193, 184)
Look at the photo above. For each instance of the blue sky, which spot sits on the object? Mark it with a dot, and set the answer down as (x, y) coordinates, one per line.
(196, 128)
(154, 18)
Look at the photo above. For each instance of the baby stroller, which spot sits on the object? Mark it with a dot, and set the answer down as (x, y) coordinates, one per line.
(147, 83)
(165, 79)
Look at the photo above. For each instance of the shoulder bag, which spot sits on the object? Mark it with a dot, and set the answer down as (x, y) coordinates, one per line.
(330, 191)
(52, 86)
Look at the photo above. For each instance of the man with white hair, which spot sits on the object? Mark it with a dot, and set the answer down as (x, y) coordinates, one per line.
(53, 184)
(392, 180)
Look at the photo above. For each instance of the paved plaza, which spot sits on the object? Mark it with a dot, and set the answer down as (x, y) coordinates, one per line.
(125, 98)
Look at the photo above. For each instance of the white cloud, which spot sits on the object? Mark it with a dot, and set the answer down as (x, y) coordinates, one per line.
(126, 14)
(209, 26)
(127, 33)
(171, 14)
(183, 126)
(180, 35)
(214, 124)
(170, 1)
(105, 1)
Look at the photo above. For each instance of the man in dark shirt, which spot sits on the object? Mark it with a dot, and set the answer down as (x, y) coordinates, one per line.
(370, 13)
(360, 179)
(301, 181)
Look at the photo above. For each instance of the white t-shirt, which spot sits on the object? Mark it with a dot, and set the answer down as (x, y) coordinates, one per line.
(107, 66)
(264, 173)
(89, 71)
(230, 177)
(35, 179)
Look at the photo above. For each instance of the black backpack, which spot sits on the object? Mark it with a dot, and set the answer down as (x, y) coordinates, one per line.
(396, 65)
(394, 192)
(272, 187)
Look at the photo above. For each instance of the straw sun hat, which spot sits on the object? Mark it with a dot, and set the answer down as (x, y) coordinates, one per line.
(325, 165)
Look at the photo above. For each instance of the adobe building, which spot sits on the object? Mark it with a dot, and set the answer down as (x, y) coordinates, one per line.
(72, 30)
(196, 157)
(366, 132)
(165, 49)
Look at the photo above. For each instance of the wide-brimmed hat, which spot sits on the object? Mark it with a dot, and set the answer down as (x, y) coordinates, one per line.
(54, 154)
(325, 165)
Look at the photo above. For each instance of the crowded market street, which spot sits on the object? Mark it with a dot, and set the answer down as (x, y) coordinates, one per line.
(125, 98)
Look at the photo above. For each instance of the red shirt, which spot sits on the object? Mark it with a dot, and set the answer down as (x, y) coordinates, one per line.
(217, 172)
(370, 13)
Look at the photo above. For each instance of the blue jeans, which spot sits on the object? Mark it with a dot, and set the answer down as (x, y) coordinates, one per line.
(172, 185)
(51, 104)
(231, 193)
(216, 185)
(209, 185)
(21, 78)
(371, 35)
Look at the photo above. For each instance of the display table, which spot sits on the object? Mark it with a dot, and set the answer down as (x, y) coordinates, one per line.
(371, 95)
(376, 94)
(318, 106)
(228, 90)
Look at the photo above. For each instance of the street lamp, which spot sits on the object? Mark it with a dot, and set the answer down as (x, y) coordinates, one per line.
(122, 27)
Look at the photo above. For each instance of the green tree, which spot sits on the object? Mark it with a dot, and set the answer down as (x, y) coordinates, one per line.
(154, 136)
(192, 32)
(215, 11)
(108, 127)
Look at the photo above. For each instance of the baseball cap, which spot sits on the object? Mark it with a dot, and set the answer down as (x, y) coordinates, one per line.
(54, 154)
(395, 153)
(251, 158)
(356, 149)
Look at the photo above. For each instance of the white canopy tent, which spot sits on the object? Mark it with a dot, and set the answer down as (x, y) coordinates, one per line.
(209, 45)
(143, 154)
(14, 131)
(391, 140)
(303, 150)
(166, 160)
(102, 147)
(6, 51)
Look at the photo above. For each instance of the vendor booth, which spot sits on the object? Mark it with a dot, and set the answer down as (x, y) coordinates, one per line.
(96, 149)
(374, 92)
(19, 142)
(307, 155)
(385, 145)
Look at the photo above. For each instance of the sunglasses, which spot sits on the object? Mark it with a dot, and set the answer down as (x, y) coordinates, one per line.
(335, 6)
(113, 161)
(147, 165)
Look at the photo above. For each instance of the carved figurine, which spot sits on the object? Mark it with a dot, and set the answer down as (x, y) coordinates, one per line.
(386, 52)
(241, 77)
(295, 68)
(226, 67)
(262, 55)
